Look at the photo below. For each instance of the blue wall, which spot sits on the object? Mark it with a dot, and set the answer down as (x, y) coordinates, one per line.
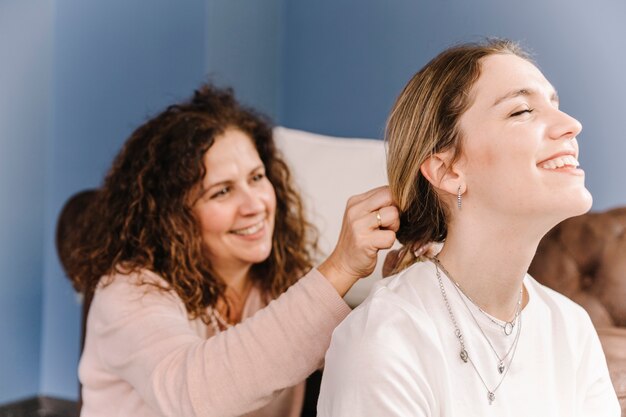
(116, 62)
(345, 62)
(25, 69)
(245, 49)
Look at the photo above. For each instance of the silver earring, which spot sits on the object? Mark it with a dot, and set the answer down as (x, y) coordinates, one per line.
(458, 198)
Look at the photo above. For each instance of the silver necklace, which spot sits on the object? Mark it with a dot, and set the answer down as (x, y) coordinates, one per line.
(508, 326)
(216, 319)
(491, 393)
(501, 360)
(501, 366)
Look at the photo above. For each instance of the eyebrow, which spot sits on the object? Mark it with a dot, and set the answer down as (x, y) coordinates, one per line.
(228, 182)
(524, 92)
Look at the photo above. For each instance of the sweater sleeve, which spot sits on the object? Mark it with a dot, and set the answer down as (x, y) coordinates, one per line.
(144, 337)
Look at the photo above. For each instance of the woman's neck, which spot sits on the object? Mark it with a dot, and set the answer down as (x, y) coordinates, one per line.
(238, 285)
(489, 262)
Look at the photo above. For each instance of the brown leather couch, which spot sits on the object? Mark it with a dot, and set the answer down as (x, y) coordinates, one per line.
(584, 258)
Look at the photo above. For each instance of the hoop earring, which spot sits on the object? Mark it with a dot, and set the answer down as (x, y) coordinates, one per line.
(458, 198)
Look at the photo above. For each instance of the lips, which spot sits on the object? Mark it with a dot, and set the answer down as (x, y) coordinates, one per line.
(559, 162)
(250, 230)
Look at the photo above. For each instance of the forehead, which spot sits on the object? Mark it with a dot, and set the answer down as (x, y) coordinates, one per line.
(233, 150)
(503, 73)
(231, 143)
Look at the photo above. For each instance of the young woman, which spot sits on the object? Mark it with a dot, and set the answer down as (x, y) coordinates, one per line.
(195, 231)
(481, 158)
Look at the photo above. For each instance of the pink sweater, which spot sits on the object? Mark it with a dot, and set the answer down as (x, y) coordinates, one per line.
(144, 357)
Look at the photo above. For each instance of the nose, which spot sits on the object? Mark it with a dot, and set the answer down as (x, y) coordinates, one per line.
(251, 202)
(564, 126)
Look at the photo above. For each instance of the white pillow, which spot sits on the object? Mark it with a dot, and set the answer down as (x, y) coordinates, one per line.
(328, 170)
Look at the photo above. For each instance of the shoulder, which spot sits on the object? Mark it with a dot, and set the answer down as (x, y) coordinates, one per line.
(379, 358)
(397, 309)
(412, 285)
(555, 304)
(121, 295)
(131, 285)
(560, 318)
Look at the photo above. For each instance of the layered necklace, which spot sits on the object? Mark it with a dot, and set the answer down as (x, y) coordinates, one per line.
(508, 326)
(502, 368)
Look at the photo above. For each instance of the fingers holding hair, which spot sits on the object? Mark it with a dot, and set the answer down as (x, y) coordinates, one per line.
(386, 218)
(369, 225)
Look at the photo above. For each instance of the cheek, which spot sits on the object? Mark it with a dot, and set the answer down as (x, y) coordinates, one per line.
(482, 162)
(500, 156)
(486, 158)
(214, 219)
(499, 170)
(269, 197)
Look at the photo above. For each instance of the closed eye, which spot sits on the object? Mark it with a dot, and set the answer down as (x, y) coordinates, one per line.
(519, 113)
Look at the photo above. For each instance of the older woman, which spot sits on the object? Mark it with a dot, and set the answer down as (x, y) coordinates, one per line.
(481, 158)
(205, 299)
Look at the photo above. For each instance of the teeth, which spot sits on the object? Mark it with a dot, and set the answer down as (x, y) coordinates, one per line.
(560, 162)
(249, 230)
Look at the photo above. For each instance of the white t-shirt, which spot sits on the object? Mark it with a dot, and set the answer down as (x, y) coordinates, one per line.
(397, 355)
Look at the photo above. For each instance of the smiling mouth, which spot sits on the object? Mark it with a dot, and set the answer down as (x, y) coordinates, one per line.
(249, 230)
(566, 161)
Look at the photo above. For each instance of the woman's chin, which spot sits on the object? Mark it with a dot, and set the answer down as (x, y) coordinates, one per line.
(585, 203)
(576, 205)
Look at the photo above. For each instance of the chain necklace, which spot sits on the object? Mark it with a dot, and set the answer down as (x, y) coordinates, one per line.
(508, 326)
(491, 393)
(501, 366)
(216, 320)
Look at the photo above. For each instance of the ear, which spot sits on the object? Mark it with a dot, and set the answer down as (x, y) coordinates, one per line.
(445, 176)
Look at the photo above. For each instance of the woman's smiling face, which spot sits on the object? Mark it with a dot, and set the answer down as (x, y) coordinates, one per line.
(520, 154)
(237, 204)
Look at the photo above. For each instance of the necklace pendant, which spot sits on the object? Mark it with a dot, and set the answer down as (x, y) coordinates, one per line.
(464, 355)
(501, 367)
(491, 397)
(508, 328)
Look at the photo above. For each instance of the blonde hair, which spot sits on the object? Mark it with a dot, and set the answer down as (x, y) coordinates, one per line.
(424, 121)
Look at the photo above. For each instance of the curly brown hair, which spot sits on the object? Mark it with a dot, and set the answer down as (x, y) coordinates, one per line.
(143, 216)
